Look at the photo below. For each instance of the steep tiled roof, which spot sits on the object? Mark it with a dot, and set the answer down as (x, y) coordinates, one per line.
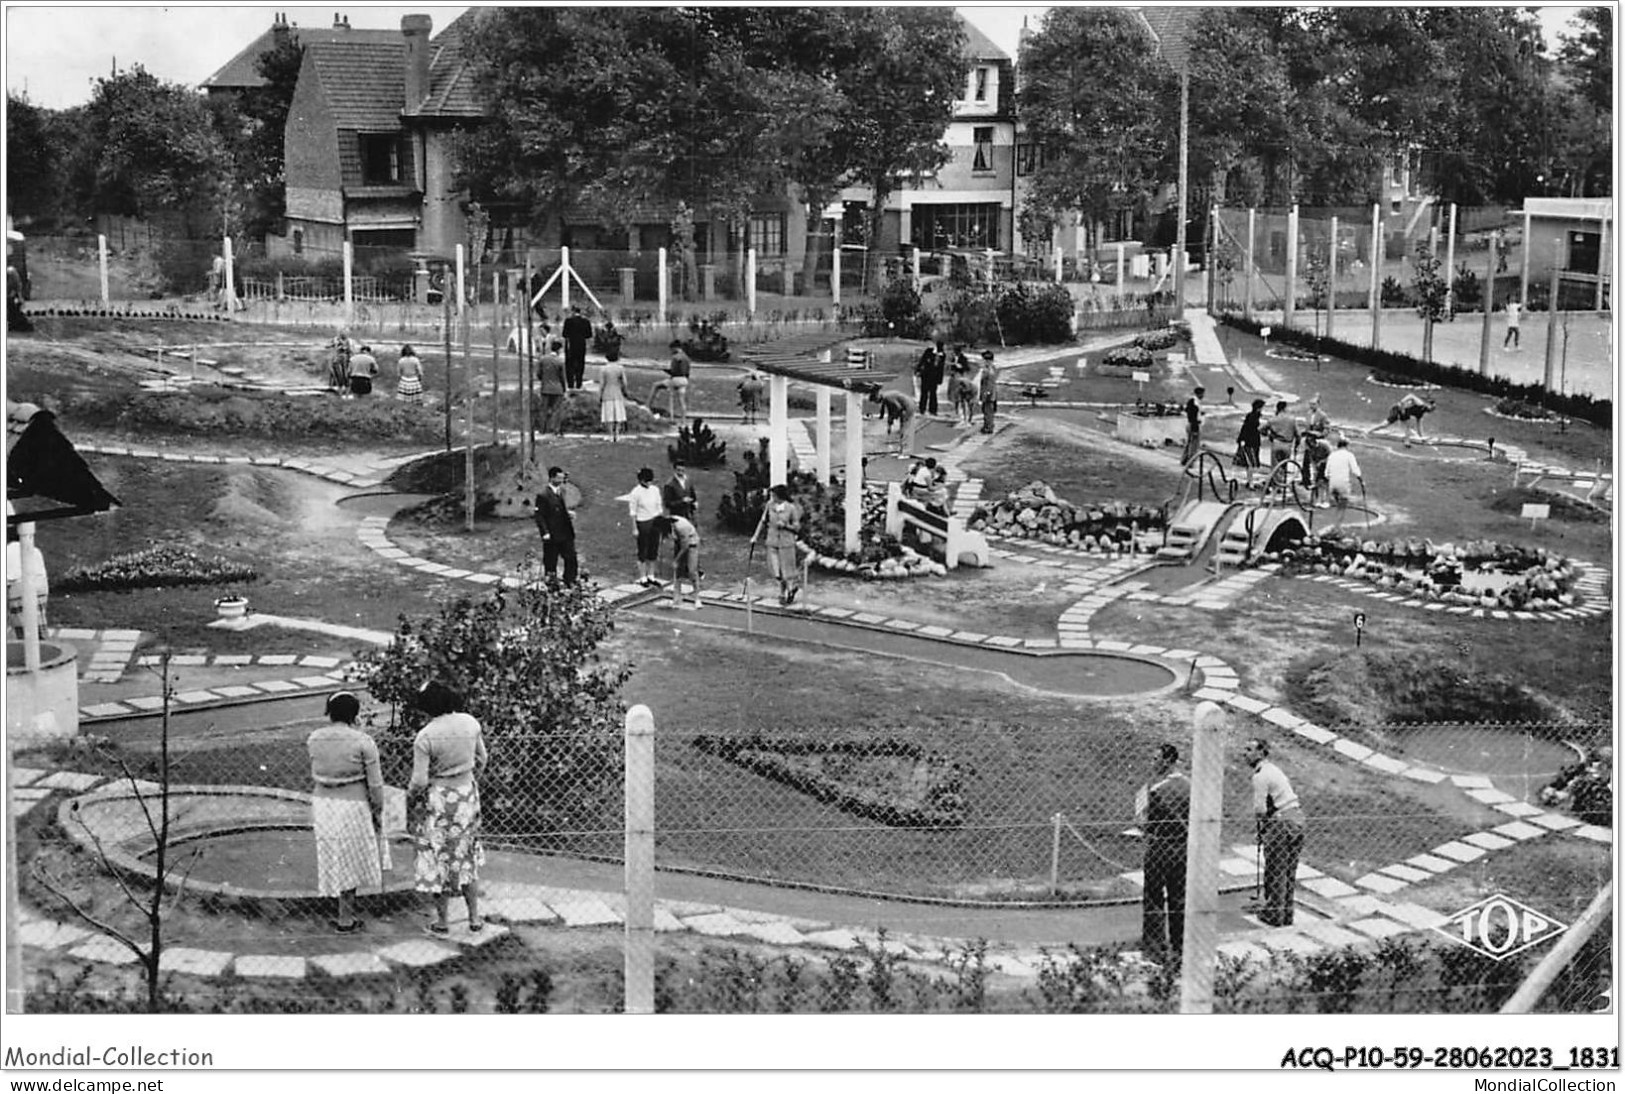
(979, 46)
(451, 83)
(1173, 28)
(364, 82)
(240, 71)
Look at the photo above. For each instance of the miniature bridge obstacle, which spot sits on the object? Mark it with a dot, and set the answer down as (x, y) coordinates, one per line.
(947, 534)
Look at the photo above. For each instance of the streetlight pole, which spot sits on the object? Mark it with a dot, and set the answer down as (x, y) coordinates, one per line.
(1184, 179)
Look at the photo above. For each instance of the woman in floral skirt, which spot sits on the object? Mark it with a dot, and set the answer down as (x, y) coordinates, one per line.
(447, 759)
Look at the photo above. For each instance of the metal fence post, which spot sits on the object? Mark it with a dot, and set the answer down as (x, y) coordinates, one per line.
(1202, 860)
(640, 860)
(1055, 854)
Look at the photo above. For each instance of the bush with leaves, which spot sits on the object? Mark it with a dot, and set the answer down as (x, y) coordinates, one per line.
(902, 313)
(1035, 314)
(526, 661)
(697, 446)
(741, 508)
(1127, 357)
(1158, 341)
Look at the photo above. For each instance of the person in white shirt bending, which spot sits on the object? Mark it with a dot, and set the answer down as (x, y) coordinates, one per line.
(1342, 472)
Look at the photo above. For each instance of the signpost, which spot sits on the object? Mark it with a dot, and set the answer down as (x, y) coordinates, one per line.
(1141, 378)
(1359, 628)
(1535, 513)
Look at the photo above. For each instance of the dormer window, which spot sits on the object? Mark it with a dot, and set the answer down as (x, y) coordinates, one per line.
(983, 77)
(380, 160)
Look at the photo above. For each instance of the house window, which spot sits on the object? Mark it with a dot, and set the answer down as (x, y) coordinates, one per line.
(1585, 252)
(1027, 159)
(983, 77)
(298, 241)
(767, 234)
(380, 160)
(939, 227)
(984, 148)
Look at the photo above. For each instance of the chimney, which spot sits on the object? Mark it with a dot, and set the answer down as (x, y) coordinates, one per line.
(280, 32)
(338, 21)
(415, 30)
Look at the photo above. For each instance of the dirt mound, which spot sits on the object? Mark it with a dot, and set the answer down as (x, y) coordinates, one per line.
(254, 499)
(504, 487)
(1563, 506)
(1379, 688)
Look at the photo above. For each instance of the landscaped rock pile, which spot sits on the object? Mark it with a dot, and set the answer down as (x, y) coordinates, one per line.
(879, 557)
(1534, 578)
(1035, 512)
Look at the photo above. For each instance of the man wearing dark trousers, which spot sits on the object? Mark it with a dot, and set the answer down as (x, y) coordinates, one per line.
(1165, 816)
(558, 527)
(577, 331)
(1280, 832)
(678, 495)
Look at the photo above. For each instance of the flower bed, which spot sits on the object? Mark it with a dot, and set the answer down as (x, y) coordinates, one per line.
(159, 566)
(1518, 410)
(1480, 573)
(1394, 379)
(888, 780)
(879, 557)
(1035, 512)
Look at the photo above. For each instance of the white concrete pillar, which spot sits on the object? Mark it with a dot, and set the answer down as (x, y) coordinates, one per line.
(1450, 254)
(835, 270)
(462, 282)
(1331, 281)
(854, 468)
(27, 587)
(640, 860)
(1122, 273)
(101, 251)
(778, 437)
(1528, 246)
(349, 287)
(231, 280)
(914, 268)
(564, 281)
(1376, 275)
(663, 287)
(1202, 852)
(750, 281)
(1060, 261)
(821, 430)
(1250, 261)
(1289, 303)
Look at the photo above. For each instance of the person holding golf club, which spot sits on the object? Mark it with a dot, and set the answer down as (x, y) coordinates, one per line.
(1342, 472)
(685, 559)
(1163, 810)
(779, 529)
(1280, 832)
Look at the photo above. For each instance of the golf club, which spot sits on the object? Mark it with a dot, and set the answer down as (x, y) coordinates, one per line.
(750, 557)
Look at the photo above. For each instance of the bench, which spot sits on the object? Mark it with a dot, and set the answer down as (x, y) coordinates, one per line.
(957, 542)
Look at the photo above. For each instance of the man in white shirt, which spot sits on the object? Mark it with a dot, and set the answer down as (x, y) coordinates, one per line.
(1280, 832)
(1342, 472)
(1514, 313)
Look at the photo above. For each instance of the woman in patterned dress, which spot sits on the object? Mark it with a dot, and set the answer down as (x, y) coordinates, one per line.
(447, 759)
(346, 809)
(410, 388)
(612, 397)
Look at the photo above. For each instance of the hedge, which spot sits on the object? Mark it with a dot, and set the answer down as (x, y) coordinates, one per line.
(1579, 405)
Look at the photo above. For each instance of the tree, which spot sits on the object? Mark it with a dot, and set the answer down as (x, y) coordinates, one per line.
(253, 130)
(37, 146)
(1093, 97)
(1580, 122)
(1432, 295)
(526, 662)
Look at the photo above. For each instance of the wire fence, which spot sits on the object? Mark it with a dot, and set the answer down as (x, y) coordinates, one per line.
(924, 846)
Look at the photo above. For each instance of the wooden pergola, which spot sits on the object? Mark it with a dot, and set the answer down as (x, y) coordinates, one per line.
(806, 359)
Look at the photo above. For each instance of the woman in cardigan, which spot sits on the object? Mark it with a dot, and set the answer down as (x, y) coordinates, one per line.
(346, 809)
(447, 759)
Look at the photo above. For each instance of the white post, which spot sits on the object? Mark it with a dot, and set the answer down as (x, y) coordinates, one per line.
(1289, 304)
(1605, 258)
(990, 254)
(1122, 272)
(1450, 259)
(101, 250)
(835, 270)
(349, 289)
(28, 589)
(1202, 853)
(821, 398)
(640, 861)
(1059, 265)
(1523, 275)
(854, 468)
(564, 281)
(778, 438)
(231, 283)
(461, 292)
(661, 288)
(789, 277)
(1376, 274)
(750, 282)
(1331, 280)
(914, 268)
(1247, 288)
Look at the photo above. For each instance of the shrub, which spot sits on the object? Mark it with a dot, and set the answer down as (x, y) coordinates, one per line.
(1128, 357)
(526, 660)
(1158, 341)
(902, 312)
(698, 446)
(1393, 294)
(1028, 314)
(741, 508)
(156, 567)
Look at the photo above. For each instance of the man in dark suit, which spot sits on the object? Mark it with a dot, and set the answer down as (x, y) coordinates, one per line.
(557, 526)
(1164, 815)
(552, 383)
(678, 495)
(577, 332)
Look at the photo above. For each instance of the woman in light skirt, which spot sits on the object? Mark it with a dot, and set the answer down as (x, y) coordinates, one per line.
(612, 398)
(347, 808)
(447, 759)
(410, 388)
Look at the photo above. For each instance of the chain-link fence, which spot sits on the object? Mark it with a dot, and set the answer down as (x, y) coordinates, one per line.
(964, 865)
